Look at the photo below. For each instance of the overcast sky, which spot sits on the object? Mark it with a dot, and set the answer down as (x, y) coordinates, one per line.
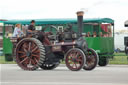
(39, 9)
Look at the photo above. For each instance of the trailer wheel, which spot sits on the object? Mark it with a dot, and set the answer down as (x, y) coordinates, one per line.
(75, 59)
(103, 61)
(30, 53)
(49, 66)
(91, 59)
(8, 57)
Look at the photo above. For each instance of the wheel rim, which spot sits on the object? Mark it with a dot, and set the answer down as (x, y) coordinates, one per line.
(28, 54)
(75, 60)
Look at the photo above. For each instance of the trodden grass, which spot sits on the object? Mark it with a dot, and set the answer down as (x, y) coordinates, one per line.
(122, 60)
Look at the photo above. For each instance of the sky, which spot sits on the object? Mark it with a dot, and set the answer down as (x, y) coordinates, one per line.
(40, 9)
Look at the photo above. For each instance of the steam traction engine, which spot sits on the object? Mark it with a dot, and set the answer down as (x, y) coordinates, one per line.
(45, 50)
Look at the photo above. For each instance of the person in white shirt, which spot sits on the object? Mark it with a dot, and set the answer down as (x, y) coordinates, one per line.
(17, 31)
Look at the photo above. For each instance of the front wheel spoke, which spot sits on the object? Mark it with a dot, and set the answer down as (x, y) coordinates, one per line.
(24, 60)
(70, 62)
(79, 60)
(77, 55)
(75, 65)
(33, 62)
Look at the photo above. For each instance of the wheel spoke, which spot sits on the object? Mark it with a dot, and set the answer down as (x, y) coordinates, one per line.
(35, 55)
(70, 62)
(38, 51)
(21, 52)
(24, 50)
(76, 54)
(22, 56)
(34, 49)
(24, 60)
(30, 61)
(36, 60)
(25, 45)
(33, 61)
(79, 60)
(75, 65)
(29, 46)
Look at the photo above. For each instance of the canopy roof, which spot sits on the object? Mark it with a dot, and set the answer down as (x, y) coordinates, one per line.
(126, 23)
(60, 21)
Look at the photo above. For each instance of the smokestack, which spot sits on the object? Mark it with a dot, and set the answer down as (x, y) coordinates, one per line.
(80, 21)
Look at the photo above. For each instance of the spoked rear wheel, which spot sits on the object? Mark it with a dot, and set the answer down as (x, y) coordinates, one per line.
(30, 53)
(75, 59)
(91, 59)
(49, 66)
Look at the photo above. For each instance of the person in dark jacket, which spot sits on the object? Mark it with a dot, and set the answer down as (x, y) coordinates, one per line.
(31, 27)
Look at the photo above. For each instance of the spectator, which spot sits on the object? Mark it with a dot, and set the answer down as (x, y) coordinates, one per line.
(88, 34)
(17, 31)
(101, 34)
(94, 34)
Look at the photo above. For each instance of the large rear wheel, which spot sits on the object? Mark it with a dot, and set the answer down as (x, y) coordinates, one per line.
(75, 59)
(30, 54)
(91, 59)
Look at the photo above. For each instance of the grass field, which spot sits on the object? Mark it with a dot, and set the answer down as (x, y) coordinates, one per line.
(119, 58)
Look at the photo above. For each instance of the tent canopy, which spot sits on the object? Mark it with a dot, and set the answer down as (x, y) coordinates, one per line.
(60, 21)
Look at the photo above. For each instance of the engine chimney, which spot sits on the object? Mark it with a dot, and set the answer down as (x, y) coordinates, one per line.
(80, 22)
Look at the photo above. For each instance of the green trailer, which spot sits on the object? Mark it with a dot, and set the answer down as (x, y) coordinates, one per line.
(104, 45)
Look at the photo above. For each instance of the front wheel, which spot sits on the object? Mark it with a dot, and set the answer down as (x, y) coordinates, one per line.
(75, 59)
(91, 59)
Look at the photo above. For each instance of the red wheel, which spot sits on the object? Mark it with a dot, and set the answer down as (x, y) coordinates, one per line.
(91, 59)
(75, 59)
(30, 53)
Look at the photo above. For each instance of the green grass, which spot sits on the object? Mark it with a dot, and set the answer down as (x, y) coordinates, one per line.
(119, 58)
